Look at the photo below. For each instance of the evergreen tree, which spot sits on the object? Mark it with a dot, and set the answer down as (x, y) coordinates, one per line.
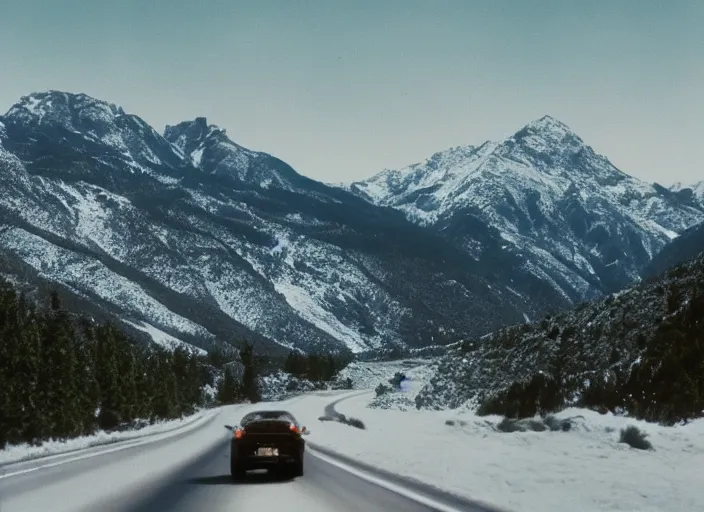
(59, 391)
(163, 387)
(89, 394)
(108, 378)
(228, 391)
(250, 383)
(19, 370)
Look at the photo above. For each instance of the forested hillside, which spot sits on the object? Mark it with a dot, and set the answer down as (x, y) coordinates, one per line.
(62, 376)
(640, 352)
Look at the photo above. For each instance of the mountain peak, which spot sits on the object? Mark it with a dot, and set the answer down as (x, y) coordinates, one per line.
(547, 127)
(548, 122)
(199, 122)
(51, 107)
(545, 136)
(190, 136)
(193, 130)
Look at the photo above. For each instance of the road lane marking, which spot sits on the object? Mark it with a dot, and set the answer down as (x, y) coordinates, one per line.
(73, 459)
(398, 489)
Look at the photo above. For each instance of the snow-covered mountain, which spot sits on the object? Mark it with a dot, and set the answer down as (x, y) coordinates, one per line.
(190, 236)
(695, 192)
(567, 214)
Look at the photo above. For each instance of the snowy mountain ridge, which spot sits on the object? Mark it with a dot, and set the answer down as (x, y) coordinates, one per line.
(191, 237)
(570, 215)
(697, 190)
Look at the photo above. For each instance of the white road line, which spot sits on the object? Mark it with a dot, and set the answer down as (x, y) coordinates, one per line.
(129, 444)
(72, 459)
(403, 491)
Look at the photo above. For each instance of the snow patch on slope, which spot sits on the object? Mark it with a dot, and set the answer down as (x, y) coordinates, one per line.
(164, 339)
(299, 299)
(197, 156)
(91, 276)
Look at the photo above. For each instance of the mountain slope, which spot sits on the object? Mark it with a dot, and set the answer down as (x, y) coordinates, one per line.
(570, 217)
(191, 234)
(685, 247)
(640, 351)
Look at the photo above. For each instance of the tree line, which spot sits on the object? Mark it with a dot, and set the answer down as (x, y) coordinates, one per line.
(315, 367)
(63, 376)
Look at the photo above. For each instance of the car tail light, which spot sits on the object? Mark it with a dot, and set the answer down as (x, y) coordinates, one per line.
(294, 428)
(239, 433)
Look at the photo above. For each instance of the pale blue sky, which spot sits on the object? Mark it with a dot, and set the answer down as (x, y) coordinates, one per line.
(343, 89)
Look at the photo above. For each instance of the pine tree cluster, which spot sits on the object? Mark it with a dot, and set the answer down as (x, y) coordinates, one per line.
(232, 390)
(63, 376)
(315, 367)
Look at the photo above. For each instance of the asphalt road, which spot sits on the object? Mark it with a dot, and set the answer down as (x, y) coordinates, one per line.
(206, 485)
(191, 472)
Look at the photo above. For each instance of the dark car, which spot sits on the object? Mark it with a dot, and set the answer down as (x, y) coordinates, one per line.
(267, 440)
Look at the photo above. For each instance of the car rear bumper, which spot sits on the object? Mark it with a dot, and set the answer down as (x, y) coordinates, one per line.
(245, 453)
(266, 462)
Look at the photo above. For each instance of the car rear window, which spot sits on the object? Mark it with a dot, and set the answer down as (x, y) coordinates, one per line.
(268, 415)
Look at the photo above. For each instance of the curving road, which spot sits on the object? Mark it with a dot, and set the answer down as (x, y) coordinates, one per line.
(191, 472)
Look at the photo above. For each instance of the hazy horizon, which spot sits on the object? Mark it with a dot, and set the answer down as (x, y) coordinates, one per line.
(342, 91)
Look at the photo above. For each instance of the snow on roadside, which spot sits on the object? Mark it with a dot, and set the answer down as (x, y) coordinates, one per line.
(24, 452)
(586, 467)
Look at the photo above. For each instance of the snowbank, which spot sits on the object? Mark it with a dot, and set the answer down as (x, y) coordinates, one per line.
(23, 452)
(584, 469)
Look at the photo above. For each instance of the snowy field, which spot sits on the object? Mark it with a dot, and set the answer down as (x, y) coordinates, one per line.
(24, 452)
(585, 469)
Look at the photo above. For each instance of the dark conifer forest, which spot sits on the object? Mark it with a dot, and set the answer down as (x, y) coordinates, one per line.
(63, 376)
(315, 367)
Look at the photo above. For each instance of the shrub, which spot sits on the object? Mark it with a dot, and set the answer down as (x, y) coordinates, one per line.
(507, 425)
(356, 422)
(536, 426)
(382, 389)
(541, 395)
(512, 425)
(635, 438)
(341, 418)
(555, 424)
(396, 380)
